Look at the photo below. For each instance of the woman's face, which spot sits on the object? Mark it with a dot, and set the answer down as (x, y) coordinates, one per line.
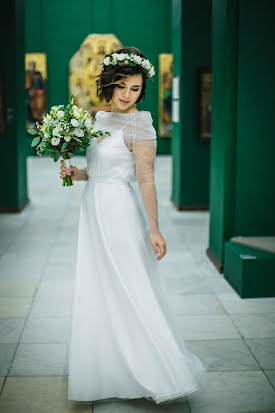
(126, 93)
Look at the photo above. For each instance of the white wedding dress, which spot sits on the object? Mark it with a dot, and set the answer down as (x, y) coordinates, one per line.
(123, 340)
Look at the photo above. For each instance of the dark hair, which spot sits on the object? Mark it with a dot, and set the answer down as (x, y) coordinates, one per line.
(111, 75)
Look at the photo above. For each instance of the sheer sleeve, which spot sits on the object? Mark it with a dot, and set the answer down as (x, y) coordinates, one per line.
(140, 137)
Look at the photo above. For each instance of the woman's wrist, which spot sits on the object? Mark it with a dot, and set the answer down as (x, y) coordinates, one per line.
(82, 175)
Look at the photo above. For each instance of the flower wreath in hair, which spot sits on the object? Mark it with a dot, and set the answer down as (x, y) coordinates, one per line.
(132, 60)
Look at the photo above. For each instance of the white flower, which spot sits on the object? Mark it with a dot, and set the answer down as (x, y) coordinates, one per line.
(88, 123)
(78, 132)
(75, 123)
(76, 112)
(146, 64)
(151, 72)
(56, 131)
(46, 135)
(67, 138)
(54, 107)
(55, 141)
(107, 60)
(137, 59)
(60, 114)
(121, 56)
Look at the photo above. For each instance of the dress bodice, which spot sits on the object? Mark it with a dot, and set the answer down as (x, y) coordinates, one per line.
(111, 158)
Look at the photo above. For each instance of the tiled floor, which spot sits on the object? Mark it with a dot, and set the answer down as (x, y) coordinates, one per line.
(235, 338)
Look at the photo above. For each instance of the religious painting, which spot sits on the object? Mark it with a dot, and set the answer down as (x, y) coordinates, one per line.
(85, 65)
(204, 103)
(35, 88)
(165, 94)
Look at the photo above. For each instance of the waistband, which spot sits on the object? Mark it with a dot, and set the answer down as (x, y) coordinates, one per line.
(108, 181)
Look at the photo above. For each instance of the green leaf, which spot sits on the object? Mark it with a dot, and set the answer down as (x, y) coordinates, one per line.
(78, 140)
(64, 146)
(56, 157)
(48, 152)
(35, 141)
(32, 131)
(70, 154)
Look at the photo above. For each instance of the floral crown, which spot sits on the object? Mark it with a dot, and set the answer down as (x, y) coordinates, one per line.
(131, 59)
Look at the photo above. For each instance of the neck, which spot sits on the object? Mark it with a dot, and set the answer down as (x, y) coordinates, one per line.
(132, 109)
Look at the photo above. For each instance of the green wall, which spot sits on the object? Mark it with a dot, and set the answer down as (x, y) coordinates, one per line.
(255, 150)
(13, 194)
(242, 196)
(57, 28)
(191, 39)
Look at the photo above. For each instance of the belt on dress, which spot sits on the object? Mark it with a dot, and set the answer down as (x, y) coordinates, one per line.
(108, 181)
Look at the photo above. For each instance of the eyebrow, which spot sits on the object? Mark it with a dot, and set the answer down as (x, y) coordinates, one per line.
(131, 86)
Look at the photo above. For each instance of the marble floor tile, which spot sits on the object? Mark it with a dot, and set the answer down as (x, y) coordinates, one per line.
(46, 330)
(230, 392)
(18, 288)
(58, 272)
(255, 325)
(15, 307)
(7, 352)
(263, 350)
(233, 303)
(39, 360)
(39, 395)
(223, 355)
(51, 307)
(2, 380)
(196, 304)
(271, 376)
(140, 406)
(206, 327)
(10, 329)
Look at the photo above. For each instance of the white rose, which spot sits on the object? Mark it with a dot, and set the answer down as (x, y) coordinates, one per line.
(121, 57)
(137, 59)
(78, 132)
(67, 138)
(76, 113)
(46, 135)
(151, 72)
(107, 60)
(60, 114)
(55, 141)
(88, 123)
(56, 131)
(75, 123)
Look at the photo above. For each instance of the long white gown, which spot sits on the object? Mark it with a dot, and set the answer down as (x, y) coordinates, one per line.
(123, 342)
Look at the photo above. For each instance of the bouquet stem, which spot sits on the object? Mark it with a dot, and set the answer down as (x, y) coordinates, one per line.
(67, 181)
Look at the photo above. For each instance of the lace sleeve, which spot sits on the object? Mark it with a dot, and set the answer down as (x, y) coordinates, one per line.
(141, 137)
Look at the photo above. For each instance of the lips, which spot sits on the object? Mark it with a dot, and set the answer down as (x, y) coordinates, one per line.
(123, 101)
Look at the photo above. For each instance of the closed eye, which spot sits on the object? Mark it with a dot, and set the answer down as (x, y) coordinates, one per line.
(121, 87)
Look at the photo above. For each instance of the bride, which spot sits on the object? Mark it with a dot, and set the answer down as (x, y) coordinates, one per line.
(124, 343)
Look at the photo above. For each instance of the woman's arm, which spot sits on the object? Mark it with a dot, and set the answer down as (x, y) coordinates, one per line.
(82, 175)
(144, 156)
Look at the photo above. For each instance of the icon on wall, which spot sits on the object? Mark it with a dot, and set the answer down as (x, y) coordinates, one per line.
(204, 103)
(35, 88)
(85, 66)
(165, 94)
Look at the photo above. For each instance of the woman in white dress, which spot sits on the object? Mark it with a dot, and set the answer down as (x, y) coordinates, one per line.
(124, 343)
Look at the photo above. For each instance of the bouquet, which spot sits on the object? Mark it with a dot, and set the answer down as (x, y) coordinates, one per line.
(63, 132)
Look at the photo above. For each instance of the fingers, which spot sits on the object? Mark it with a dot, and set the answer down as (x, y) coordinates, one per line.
(160, 250)
(63, 170)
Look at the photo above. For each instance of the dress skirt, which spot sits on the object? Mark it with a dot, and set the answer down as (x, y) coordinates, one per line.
(123, 343)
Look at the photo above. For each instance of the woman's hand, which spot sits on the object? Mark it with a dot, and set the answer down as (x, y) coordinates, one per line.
(158, 243)
(73, 169)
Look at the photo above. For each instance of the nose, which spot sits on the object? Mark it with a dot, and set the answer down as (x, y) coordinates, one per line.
(126, 93)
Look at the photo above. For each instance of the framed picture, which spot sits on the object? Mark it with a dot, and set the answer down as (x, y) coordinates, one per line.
(165, 94)
(2, 105)
(204, 103)
(35, 88)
